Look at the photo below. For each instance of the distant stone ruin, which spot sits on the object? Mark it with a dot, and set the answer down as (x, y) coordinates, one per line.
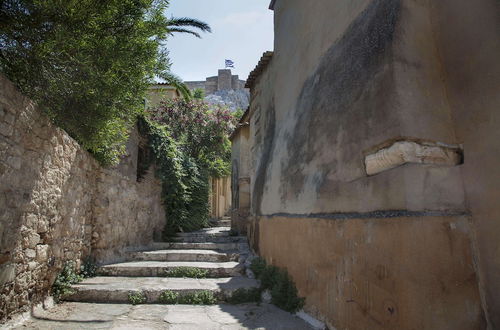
(224, 89)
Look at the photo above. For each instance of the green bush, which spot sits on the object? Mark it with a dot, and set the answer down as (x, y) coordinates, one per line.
(191, 272)
(243, 295)
(88, 268)
(63, 281)
(257, 266)
(283, 291)
(137, 298)
(269, 277)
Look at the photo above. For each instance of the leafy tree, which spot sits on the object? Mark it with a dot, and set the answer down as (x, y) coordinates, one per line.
(88, 63)
(238, 114)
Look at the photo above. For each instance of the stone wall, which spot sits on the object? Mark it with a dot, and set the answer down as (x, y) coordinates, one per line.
(223, 81)
(57, 204)
(383, 80)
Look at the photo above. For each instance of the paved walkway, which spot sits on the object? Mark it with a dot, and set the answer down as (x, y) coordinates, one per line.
(103, 302)
(175, 317)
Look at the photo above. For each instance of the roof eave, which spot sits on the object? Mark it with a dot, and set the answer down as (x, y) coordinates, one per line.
(261, 66)
(271, 5)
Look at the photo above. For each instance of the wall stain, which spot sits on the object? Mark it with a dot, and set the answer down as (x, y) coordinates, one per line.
(261, 173)
(344, 73)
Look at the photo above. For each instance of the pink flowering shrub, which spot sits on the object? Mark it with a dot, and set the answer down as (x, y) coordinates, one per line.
(201, 131)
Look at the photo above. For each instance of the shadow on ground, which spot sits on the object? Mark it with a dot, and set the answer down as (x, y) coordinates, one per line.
(121, 316)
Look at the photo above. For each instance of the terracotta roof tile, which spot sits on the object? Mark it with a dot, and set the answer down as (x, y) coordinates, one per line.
(264, 61)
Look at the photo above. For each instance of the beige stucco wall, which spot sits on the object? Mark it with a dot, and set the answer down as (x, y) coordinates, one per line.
(220, 197)
(467, 33)
(398, 273)
(57, 204)
(361, 76)
(240, 179)
(158, 93)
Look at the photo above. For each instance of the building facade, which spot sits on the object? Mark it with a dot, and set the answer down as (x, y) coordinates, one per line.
(158, 92)
(373, 161)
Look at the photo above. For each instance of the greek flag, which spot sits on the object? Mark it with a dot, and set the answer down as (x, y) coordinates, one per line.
(229, 64)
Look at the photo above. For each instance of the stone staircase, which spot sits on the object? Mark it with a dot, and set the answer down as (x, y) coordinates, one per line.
(103, 302)
(213, 250)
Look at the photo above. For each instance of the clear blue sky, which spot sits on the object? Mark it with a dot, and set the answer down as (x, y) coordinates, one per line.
(241, 31)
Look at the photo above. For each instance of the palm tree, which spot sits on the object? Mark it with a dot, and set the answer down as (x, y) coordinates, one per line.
(182, 25)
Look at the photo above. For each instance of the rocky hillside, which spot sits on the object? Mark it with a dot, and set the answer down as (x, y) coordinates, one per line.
(233, 99)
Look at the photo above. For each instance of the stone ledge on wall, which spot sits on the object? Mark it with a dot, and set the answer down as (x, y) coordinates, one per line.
(404, 152)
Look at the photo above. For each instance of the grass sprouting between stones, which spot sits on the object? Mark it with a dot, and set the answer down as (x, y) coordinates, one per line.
(137, 298)
(204, 297)
(191, 272)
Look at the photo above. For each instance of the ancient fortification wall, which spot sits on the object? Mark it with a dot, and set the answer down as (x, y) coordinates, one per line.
(223, 81)
(57, 204)
(375, 168)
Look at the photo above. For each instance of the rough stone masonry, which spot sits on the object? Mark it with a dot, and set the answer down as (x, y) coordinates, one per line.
(57, 204)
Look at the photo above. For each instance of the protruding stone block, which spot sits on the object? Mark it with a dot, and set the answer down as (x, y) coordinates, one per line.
(42, 253)
(403, 152)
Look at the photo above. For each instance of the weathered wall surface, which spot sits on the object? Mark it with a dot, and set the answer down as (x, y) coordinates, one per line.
(240, 179)
(398, 273)
(220, 197)
(471, 70)
(57, 204)
(157, 93)
(368, 75)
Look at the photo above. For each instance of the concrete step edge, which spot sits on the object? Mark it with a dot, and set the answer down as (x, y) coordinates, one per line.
(118, 293)
(160, 268)
(191, 255)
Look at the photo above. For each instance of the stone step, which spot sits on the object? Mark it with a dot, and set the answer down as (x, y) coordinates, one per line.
(239, 246)
(116, 289)
(208, 232)
(160, 268)
(224, 223)
(211, 239)
(183, 255)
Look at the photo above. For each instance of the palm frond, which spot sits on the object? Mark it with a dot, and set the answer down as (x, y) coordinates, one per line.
(177, 82)
(192, 22)
(180, 30)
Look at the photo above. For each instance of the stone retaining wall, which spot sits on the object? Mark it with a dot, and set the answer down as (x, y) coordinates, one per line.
(57, 204)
